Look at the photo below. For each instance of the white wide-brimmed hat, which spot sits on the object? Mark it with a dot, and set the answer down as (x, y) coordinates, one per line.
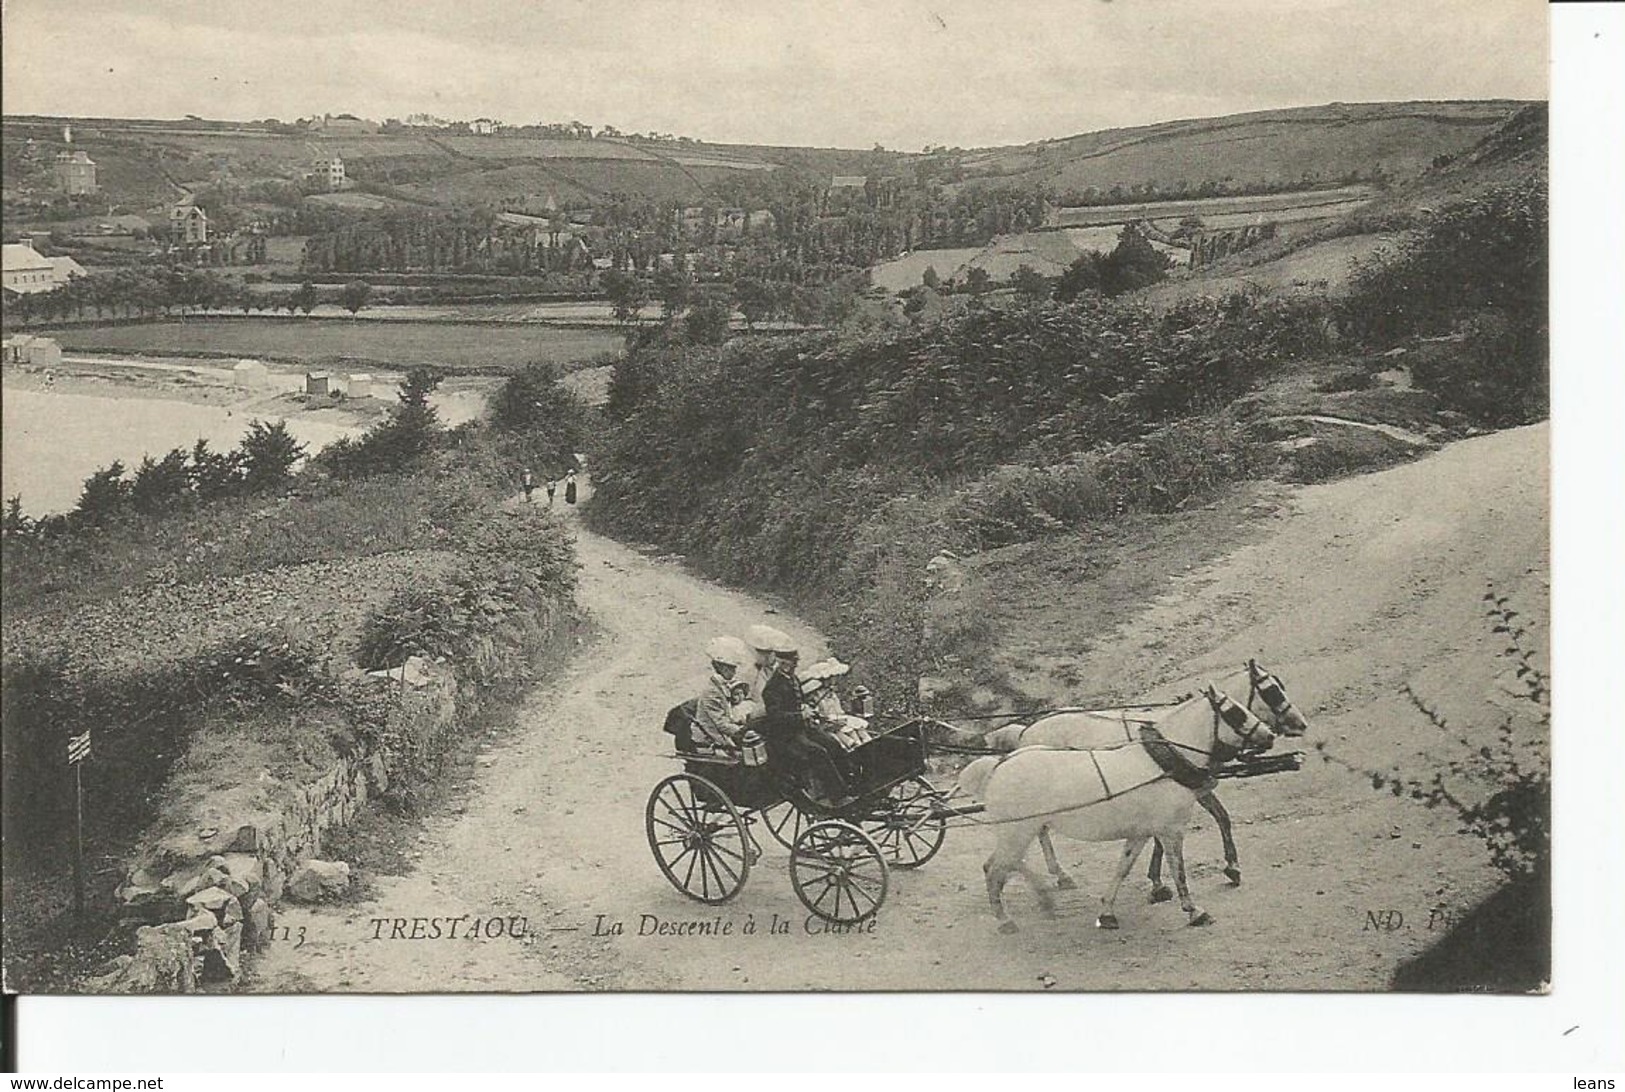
(768, 639)
(728, 650)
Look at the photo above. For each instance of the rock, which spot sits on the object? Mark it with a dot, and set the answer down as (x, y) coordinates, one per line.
(245, 872)
(161, 963)
(219, 902)
(222, 954)
(274, 879)
(316, 881)
(257, 925)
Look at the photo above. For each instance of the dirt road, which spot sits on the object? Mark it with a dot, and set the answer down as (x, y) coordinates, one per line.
(1364, 585)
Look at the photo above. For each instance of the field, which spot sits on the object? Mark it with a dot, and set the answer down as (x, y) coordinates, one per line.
(1271, 206)
(459, 347)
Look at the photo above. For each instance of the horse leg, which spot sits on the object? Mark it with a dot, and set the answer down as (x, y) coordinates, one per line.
(1194, 915)
(1125, 863)
(1063, 882)
(1159, 890)
(1232, 869)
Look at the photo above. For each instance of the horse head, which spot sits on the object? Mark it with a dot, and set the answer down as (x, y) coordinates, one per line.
(1264, 685)
(1235, 729)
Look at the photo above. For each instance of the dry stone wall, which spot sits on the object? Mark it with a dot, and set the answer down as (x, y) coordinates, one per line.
(206, 893)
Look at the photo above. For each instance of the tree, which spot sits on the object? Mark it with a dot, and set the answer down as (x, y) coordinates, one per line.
(930, 278)
(707, 321)
(269, 452)
(158, 485)
(627, 295)
(105, 495)
(355, 295)
(978, 281)
(757, 299)
(303, 298)
(1082, 276)
(1029, 283)
(672, 286)
(15, 523)
(1133, 263)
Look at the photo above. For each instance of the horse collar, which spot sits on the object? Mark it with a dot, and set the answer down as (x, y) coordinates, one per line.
(1170, 761)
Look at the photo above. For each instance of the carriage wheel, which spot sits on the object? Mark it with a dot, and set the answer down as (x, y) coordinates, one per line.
(785, 822)
(698, 838)
(907, 826)
(838, 872)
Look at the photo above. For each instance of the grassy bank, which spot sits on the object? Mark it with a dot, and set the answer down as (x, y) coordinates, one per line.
(217, 650)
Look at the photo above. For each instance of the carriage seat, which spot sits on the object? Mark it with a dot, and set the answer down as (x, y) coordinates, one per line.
(680, 726)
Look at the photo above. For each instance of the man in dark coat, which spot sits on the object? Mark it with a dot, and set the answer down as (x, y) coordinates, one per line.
(791, 743)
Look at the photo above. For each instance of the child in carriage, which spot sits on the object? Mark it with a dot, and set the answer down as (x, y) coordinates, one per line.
(822, 702)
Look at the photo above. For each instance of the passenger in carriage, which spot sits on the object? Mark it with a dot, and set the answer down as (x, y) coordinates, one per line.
(719, 718)
(763, 640)
(823, 703)
(803, 753)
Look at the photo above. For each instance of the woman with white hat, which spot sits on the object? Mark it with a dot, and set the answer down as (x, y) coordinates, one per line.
(717, 722)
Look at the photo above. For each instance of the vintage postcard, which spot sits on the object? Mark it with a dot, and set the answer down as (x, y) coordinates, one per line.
(550, 497)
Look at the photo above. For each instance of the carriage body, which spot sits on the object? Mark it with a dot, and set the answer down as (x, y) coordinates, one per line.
(702, 822)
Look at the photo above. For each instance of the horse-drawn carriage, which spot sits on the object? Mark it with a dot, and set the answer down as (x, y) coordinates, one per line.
(701, 823)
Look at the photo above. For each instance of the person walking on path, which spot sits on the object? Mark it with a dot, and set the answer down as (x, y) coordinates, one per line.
(552, 485)
(570, 487)
(527, 481)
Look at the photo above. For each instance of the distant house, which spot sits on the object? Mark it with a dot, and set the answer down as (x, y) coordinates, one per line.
(25, 270)
(28, 349)
(849, 182)
(64, 269)
(75, 173)
(188, 225)
(329, 174)
(484, 126)
(342, 125)
(318, 383)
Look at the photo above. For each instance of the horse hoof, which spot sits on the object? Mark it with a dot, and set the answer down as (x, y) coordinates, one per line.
(1233, 874)
(1106, 921)
(1201, 917)
(1161, 894)
(1007, 927)
(1066, 883)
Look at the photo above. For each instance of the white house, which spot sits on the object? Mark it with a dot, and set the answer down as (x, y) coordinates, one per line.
(24, 270)
(29, 349)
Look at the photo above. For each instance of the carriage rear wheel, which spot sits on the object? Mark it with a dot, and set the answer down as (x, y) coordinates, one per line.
(907, 825)
(838, 872)
(785, 822)
(698, 838)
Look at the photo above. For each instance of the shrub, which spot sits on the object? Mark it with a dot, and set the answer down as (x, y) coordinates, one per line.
(269, 453)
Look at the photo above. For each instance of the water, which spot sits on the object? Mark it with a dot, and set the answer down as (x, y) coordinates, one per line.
(52, 442)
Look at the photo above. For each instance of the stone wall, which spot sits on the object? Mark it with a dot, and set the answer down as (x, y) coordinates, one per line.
(206, 892)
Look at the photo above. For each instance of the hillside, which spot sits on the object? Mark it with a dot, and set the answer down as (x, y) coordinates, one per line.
(1319, 143)
(146, 162)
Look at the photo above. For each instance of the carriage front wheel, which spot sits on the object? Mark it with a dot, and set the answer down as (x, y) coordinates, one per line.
(907, 825)
(785, 822)
(838, 872)
(698, 838)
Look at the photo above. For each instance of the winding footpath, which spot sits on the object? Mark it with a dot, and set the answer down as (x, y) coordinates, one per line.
(1365, 584)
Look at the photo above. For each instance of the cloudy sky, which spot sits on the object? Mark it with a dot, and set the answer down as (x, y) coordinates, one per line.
(853, 73)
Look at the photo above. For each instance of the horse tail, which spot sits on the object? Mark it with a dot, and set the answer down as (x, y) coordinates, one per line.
(973, 778)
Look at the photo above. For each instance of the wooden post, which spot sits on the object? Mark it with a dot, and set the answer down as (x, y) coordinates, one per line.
(78, 840)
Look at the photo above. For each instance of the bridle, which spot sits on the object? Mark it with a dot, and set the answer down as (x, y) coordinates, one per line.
(1266, 686)
(1239, 720)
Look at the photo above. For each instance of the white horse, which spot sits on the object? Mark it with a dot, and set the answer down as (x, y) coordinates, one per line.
(1084, 729)
(1132, 791)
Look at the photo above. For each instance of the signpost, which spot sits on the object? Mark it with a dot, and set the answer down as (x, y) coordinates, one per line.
(78, 751)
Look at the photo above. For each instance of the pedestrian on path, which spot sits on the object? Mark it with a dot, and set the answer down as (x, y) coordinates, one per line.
(570, 487)
(527, 481)
(552, 484)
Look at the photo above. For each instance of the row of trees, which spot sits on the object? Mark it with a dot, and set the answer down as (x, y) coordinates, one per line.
(134, 292)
